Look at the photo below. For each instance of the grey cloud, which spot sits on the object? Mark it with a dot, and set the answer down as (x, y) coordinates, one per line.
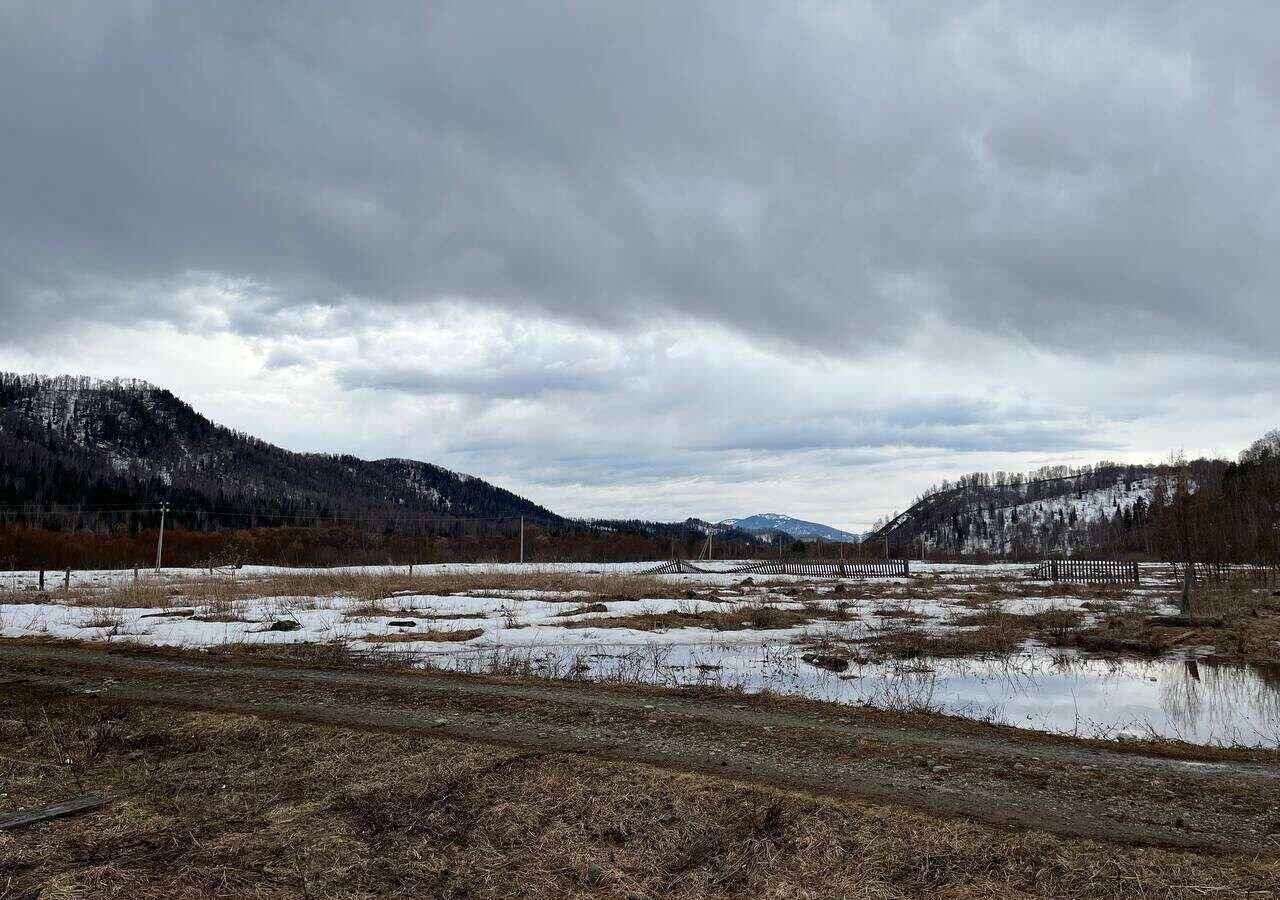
(488, 383)
(1093, 178)
(1011, 437)
(841, 443)
(284, 358)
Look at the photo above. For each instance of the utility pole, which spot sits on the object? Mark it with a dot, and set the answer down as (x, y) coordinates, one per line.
(522, 539)
(164, 508)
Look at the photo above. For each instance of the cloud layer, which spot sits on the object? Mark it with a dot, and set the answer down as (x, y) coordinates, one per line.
(602, 249)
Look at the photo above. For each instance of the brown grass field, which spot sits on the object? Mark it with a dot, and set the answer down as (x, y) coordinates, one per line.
(231, 806)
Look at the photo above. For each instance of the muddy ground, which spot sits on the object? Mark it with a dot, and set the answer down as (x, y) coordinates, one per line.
(1158, 794)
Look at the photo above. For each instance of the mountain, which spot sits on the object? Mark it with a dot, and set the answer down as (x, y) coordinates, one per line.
(797, 528)
(127, 444)
(1055, 510)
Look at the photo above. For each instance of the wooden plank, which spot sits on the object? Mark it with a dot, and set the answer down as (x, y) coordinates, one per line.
(68, 807)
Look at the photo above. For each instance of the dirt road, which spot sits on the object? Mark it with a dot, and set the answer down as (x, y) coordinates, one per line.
(994, 775)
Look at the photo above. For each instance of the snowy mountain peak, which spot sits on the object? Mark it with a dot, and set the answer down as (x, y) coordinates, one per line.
(798, 528)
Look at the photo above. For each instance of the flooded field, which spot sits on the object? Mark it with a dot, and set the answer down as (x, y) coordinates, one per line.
(982, 642)
(1179, 697)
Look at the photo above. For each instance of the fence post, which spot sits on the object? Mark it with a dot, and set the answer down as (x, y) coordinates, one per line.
(906, 568)
(1135, 573)
(42, 580)
(1053, 570)
(66, 579)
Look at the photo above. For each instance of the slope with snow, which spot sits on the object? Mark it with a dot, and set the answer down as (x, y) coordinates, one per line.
(797, 528)
(74, 441)
(1053, 524)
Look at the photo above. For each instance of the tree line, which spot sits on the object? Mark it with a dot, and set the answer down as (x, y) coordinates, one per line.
(29, 547)
(1204, 510)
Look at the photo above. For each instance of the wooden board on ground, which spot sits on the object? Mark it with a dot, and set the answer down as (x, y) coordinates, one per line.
(71, 806)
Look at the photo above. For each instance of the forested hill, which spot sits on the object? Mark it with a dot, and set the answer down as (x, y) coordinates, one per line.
(1205, 509)
(71, 441)
(1014, 515)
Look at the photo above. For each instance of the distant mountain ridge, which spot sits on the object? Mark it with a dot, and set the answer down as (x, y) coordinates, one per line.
(797, 528)
(71, 441)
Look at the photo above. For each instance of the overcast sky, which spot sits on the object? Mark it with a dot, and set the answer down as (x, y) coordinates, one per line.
(658, 259)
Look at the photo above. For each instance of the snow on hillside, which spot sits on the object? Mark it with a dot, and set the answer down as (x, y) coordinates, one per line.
(1055, 523)
(74, 440)
(798, 528)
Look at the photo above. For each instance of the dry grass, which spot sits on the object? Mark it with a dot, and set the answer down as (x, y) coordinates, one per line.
(105, 618)
(1251, 629)
(911, 643)
(584, 609)
(992, 590)
(232, 807)
(1248, 626)
(407, 637)
(899, 612)
(382, 610)
(988, 631)
(1054, 626)
(1250, 621)
(222, 592)
(757, 617)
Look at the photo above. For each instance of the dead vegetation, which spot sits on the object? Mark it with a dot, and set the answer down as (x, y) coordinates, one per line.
(899, 612)
(899, 642)
(382, 610)
(232, 806)
(222, 591)
(990, 631)
(1240, 622)
(584, 609)
(404, 637)
(739, 618)
(984, 591)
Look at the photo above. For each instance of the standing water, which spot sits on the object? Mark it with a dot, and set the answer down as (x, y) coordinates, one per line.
(1177, 697)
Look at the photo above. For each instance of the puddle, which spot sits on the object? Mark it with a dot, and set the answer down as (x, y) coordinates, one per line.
(1061, 692)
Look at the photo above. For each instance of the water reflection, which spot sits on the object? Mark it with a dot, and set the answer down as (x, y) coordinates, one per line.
(1186, 698)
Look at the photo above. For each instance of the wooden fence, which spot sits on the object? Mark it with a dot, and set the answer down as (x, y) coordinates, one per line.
(892, 568)
(1221, 573)
(675, 567)
(1092, 571)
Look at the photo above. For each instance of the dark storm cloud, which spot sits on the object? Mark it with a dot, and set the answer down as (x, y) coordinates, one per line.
(1095, 178)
